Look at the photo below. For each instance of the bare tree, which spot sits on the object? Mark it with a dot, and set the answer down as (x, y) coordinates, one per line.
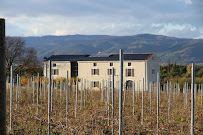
(24, 59)
(30, 59)
(15, 47)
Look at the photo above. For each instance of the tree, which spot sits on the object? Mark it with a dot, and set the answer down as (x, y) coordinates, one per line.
(15, 47)
(24, 59)
(30, 58)
(29, 62)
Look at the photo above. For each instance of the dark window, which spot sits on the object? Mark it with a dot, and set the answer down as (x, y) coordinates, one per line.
(129, 63)
(95, 84)
(129, 72)
(55, 72)
(109, 72)
(94, 64)
(54, 64)
(95, 71)
(153, 71)
(111, 64)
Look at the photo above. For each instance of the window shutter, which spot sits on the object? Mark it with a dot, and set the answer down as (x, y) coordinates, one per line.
(96, 84)
(92, 70)
(52, 72)
(126, 72)
(133, 72)
(108, 71)
(97, 71)
(57, 71)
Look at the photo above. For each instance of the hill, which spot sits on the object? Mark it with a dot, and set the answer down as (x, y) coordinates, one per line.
(180, 50)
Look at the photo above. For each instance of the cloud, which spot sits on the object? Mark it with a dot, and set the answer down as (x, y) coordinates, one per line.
(188, 1)
(115, 17)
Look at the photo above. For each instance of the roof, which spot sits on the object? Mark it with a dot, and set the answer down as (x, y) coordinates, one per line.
(100, 57)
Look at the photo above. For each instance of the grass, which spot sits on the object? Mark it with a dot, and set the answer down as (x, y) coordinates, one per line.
(93, 119)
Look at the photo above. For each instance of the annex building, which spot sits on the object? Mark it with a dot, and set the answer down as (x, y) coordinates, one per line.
(98, 67)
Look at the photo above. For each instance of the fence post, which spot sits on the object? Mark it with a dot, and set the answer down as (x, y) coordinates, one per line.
(142, 116)
(67, 98)
(112, 101)
(158, 100)
(76, 97)
(2, 78)
(49, 98)
(192, 99)
(121, 93)
(81, 94)
(133, 88)
(37, 111)
(17, 90)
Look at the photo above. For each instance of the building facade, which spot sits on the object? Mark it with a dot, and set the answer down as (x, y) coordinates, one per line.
(96, 68)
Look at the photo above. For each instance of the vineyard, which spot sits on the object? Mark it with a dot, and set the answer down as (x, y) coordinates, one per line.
(90, 111)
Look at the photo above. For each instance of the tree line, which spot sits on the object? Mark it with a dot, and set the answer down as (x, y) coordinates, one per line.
(177, 73)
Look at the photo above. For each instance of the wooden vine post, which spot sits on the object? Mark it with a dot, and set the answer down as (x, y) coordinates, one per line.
(2, 79)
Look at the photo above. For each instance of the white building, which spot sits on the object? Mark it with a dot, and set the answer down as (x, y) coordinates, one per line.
(96, 68)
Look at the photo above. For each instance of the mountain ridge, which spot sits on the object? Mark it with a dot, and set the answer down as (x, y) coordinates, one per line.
(181, 50)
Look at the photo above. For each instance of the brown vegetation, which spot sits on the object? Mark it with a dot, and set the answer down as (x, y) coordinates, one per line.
(92, 118)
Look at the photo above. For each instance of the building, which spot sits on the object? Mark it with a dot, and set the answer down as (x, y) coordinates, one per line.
(96, 68)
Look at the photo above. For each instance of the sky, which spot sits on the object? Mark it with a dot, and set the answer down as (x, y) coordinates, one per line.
(176, 18)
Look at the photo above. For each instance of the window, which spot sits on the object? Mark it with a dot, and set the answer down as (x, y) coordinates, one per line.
(129, 63)
(153, 71)
(54, 65)
(129, 72)
(111, 64)
(109, 72)
(95, 71)
(94, 64)
(55, 72)
(95, 83)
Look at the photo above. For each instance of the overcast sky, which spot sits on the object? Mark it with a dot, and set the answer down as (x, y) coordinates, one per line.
(177, 18)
